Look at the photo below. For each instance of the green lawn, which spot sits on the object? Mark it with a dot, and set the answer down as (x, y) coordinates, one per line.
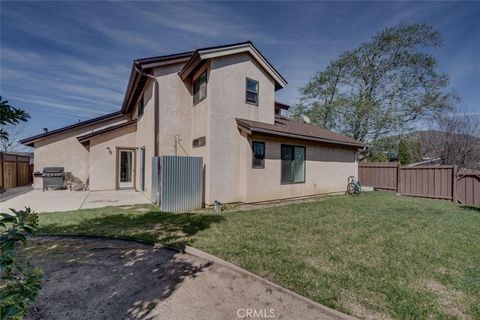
(374, 256)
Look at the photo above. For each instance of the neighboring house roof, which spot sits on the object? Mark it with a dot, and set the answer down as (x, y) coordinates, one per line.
(286, 127)
(86, 137)
(31, 140)
(193, 59)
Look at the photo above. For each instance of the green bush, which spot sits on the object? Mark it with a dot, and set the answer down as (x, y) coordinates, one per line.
(19, 281)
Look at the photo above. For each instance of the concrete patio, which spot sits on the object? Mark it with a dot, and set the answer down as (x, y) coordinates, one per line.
(63, 200)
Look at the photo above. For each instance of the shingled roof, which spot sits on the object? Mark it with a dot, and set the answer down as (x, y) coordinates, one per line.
(290, 128)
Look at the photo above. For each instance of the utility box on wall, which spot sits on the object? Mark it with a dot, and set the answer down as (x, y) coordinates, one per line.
(177, 184)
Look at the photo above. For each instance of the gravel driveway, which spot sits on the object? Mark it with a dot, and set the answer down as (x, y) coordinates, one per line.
(114, 279)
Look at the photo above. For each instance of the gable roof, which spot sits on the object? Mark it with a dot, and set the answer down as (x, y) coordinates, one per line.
(137, 80)
(286, 127)
(220, 51)
(31, 140)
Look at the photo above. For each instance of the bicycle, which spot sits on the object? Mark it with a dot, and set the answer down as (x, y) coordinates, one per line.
(353, 186)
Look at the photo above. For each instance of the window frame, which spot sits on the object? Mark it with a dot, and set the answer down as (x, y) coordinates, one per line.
(262, 165)
(141, 102)
(193, 87)
(199, 142)
(247, 91)
(304, 163)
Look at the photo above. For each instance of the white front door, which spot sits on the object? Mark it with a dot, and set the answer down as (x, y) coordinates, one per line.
(125, 169)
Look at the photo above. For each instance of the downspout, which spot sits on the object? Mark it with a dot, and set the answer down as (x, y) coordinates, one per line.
(156, 126)
(156, 108)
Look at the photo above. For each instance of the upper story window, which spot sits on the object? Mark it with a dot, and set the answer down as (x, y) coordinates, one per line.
(258, 151)
(140, 107)
(200, 88)
(293, 164)
(251, 92)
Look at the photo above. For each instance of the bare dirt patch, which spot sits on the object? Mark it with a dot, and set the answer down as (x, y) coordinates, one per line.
(449, 300)
(115, 279)
(359, 310)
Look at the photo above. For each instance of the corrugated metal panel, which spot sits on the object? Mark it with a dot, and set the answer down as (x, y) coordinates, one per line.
(181, 183)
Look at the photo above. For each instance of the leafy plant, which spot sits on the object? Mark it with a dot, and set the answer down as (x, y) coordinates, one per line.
(19, 281)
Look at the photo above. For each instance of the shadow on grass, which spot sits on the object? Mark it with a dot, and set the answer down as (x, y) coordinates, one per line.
(171, 229)
(471, 208)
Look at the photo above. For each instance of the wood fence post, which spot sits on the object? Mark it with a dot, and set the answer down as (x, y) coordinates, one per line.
(398, 177)
(17, 171)
(2, 185)
(454, 184)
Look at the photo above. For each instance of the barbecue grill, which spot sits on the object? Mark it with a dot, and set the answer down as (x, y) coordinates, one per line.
(53, 177)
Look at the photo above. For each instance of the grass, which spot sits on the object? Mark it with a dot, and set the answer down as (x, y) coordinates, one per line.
(373, 256)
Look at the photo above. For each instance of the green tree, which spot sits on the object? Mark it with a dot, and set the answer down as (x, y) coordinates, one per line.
(10, 115)
(19, 281)
(404, 154)
(379, 88)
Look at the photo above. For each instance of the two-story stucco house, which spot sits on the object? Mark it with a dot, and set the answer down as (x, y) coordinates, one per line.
(217, 103)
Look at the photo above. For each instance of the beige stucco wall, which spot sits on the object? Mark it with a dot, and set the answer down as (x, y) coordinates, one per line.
(64, 150)
(145, 137)
(227, 83)
(327, 169)
(175, 102)
(103, 156)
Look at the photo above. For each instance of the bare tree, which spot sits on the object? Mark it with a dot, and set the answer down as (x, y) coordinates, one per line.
(15, 133)
(455, 140)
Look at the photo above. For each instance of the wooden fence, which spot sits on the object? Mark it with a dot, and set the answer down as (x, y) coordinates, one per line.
(436, 182)
(15, 171)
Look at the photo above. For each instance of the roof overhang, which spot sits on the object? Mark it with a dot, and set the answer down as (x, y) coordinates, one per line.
(140, 67)
(85, 139)
(246, 47)
(251, 130)
(31, 140)
(281, 105)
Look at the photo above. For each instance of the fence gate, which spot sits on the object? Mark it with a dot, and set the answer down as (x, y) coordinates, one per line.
(179, 183)
(15, 171)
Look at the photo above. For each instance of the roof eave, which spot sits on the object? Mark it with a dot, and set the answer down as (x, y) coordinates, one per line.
(30, 141)
(252, 130)
(86, 137)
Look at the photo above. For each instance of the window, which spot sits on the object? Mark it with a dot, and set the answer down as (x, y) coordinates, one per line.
(258, 151)
(199, 142)
(200, 88)
(293, 164)
(251, 93)
(140, 107)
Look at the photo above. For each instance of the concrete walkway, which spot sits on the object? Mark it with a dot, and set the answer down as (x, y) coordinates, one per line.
(14, 192)
(64, 200)
(115, 279)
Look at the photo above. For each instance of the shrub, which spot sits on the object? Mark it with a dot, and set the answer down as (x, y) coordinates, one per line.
(19, 281)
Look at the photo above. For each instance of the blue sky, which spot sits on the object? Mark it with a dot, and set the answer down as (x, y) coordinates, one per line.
(70, 61)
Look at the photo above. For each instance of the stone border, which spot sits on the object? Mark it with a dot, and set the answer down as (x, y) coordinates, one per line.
(214, 259)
